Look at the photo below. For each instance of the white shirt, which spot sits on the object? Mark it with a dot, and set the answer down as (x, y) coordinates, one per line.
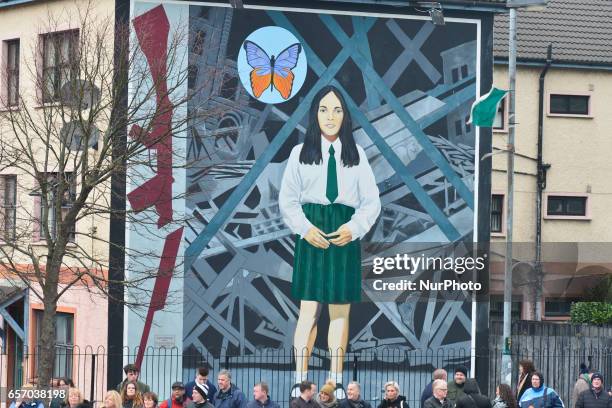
(306, 183)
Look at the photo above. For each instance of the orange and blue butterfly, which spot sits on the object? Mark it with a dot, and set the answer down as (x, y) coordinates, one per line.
(270, 71)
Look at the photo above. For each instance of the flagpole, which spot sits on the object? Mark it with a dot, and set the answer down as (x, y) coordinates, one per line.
(506, 374)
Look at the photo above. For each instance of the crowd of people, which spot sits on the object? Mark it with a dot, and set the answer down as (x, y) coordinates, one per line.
(459, 392)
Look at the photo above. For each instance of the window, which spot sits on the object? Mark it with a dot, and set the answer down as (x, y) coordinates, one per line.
(192, 76)
(464, 71)
(12, 72)
(229, 86)
(455, 74)
(468, 126)
(569, 104)
(458, 128)
(499, 123)
(566, 206)
(497, 213)
(198, 42)
(64, 342)
(60, 63)
(557, 307)
(497, 308)
(8, 207)
(68, 197)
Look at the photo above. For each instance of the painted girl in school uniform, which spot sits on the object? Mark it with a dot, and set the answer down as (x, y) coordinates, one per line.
(329, 198)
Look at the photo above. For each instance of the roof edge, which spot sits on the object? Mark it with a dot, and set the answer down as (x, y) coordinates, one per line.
(533, 62)
(471, 5)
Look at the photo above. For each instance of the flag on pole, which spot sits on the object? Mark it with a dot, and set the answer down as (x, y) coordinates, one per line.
(484, 108)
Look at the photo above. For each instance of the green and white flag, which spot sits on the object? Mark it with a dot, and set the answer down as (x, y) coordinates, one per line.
(484, 108)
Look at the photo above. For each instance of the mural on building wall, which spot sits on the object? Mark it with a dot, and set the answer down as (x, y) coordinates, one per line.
(408, 86)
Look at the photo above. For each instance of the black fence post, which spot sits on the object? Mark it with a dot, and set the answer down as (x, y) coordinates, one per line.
(354, 367)
(92, 382)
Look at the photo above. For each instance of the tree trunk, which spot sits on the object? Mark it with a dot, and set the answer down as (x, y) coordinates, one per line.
(46, 343)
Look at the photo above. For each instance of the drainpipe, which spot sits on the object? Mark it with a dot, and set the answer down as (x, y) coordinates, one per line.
(541, 185)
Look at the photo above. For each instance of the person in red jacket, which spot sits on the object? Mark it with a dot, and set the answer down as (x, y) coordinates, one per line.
(177, 399)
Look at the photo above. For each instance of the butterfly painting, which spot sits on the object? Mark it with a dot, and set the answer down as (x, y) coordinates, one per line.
(270, 71)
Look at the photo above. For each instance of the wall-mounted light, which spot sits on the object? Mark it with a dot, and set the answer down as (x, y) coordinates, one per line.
(434, 9)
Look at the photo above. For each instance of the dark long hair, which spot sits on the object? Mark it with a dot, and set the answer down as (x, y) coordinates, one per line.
(311, 150)
(506, 394)
(528, 366)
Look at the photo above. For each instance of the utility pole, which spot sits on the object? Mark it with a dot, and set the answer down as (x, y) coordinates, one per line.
(506, 374)
(506, 366)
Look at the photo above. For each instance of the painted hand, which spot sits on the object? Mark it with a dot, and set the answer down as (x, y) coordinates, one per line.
(342, 236)
(316, 238)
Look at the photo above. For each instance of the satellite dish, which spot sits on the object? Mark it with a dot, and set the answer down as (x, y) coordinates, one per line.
(80, 94)
(72, 135)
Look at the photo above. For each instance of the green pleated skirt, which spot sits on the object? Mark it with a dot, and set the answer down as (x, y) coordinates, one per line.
(331, 275)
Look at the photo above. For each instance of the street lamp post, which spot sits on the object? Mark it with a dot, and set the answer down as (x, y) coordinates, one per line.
(506, 366)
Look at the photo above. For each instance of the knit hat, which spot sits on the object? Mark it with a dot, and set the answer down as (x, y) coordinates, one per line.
(597, 375)
(328, 388)
(461, 369)
(202, 389)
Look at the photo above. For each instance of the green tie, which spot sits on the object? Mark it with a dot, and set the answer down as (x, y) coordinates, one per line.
(332, 177)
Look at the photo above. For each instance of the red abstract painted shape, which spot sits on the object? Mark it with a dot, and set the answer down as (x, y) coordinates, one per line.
(162, 285)
(152, 30)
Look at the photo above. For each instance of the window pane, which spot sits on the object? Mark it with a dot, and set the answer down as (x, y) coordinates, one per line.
(65, 75)
(13, 89)
(464, 71)
(498, 122)
(576, 206)
(64, 48)
(49, 84)
(468, 127)
(572, 206)
(48, 51)
(229, 86)
(60, 329)
(579, 105)
(458, 128)
(559, 104)
(555, 206)
(198, 42)
(497, 203)
(9, 210)
(455, 74)
(13, 54)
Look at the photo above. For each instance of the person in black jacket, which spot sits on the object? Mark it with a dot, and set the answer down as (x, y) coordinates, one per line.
(393, 399)
(472, 398)
(438, 374)
(353, 397)
(526, 368)
(596, 397)
(438, 399)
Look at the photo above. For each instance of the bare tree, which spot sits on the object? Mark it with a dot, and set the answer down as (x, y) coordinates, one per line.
(63, 138)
